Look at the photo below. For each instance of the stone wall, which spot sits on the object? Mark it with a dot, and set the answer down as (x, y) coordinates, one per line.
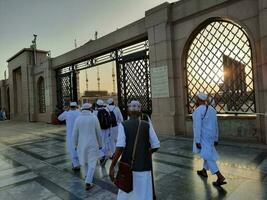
(24, 93)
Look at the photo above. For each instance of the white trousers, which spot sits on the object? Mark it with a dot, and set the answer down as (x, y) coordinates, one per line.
(211, 165)
(113, 138)
(105, 136)
(142, 187)
(90, 170)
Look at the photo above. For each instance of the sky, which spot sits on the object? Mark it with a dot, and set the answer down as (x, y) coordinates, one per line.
(59, 22)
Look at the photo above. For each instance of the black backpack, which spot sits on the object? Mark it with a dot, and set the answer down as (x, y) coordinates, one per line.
(104, 119)
(113, 119)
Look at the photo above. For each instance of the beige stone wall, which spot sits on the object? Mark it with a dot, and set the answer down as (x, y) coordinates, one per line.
(159, 29)
(20, 62)
(23, 94)
(44, 70)
(186, 17)
(261, 63)
(3, 94)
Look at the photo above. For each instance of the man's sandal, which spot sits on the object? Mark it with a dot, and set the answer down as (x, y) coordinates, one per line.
(219, 182)
(202, 173)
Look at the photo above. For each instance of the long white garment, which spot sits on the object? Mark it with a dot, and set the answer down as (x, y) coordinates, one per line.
(70, 117)
(105, 138)
(142, 181)
(86, 138)
(114, 130)
(90, 170)
(205, 132)
(106, 143)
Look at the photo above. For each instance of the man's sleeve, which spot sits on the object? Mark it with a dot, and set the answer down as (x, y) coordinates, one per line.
(197, 126)
(121, 140)
(62, 116)
(153, 138)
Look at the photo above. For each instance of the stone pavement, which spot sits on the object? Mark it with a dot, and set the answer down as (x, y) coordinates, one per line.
(34, 165)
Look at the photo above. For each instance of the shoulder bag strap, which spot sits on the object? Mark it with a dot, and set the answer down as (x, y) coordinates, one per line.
(207, 106)
(135, 143)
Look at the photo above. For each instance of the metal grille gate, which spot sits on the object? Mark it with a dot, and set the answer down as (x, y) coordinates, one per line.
(133, 77)
(66, 86)
(134, 81)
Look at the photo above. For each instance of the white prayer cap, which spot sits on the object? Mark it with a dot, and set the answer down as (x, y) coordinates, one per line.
(110, 101)
(100, 102)
(73, 104)
(134, 106)
(202, 96)
(86, 106)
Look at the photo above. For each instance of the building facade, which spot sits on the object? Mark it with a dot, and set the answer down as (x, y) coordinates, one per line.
(192, 45)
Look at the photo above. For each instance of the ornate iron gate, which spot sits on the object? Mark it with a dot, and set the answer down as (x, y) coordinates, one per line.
(66, 86)
(133, 76)
(134, 81)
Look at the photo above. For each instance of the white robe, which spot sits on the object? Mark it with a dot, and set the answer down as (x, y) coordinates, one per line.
(86, 138)
(114, 130)
(70, 117)
(142, 181)
(205, 132)
(105, 138)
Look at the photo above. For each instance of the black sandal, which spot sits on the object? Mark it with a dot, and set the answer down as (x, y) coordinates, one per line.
(202, 173)
(219, 182)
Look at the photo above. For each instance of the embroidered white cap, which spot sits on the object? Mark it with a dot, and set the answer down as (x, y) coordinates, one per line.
(100, 102)
(110, 101)
(202, 96)
(73, 104)
(86, 106)
(134, 106)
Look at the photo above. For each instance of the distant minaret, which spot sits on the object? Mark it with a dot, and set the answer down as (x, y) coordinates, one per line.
(96, 35)
(77, 74)
(113, 77)
(87, 89)
(98, 79)
(75, 43)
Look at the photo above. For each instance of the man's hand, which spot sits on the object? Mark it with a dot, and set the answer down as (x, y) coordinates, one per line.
(198, 145)
(111, 174)
(216, 143)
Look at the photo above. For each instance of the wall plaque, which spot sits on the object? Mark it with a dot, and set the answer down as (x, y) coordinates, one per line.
(159, 82)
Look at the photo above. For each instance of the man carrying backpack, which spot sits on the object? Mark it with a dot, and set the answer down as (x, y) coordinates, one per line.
(105, 124)
(115, 118)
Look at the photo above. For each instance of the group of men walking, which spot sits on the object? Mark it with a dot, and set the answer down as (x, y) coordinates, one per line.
(94, 135)
(91, 135)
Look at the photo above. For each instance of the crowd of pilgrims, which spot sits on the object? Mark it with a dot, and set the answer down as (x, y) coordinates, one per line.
(97, 133)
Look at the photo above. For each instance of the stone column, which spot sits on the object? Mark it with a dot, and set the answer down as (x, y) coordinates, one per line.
(159, 28)
(262, 67)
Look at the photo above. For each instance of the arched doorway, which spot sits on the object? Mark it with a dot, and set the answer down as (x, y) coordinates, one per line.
(219, 62)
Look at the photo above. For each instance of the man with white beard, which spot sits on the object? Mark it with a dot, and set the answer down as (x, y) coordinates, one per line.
(116, 119)
(206, 133)
(87, 141)
(70, 117)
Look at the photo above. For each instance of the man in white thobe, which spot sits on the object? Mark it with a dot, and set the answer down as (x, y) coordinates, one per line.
(114, 128)
(105, 132)
(70, 116)
(147, 143)
(205, 128)
(86, 139)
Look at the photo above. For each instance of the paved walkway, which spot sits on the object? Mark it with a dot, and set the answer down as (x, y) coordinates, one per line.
(34, 165)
